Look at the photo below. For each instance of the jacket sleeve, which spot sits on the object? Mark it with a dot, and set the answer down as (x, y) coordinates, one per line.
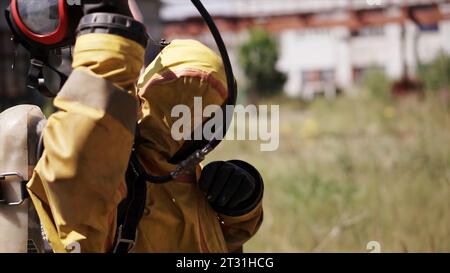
(79, 180)
(238, 230)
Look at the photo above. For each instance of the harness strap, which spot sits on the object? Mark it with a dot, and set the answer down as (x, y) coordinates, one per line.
(21, 183)
(131, 209)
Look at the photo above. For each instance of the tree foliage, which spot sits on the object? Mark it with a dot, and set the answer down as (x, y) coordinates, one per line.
(258, 57)
(377, 83)
(436, 76)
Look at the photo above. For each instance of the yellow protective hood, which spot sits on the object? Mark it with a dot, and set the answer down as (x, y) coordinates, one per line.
(183, 70)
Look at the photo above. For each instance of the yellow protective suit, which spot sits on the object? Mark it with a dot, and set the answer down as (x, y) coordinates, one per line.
(79, 181)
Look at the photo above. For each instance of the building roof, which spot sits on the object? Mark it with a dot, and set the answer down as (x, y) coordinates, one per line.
(177, 10)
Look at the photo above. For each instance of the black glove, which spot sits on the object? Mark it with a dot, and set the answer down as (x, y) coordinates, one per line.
(109, 6)
(233, 188)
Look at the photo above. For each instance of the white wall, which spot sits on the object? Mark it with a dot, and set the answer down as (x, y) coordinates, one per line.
(367, 51)
(311, 50)
(334, 49)
(429, 45)
(394, 58)
(344, 72)
(444, 27)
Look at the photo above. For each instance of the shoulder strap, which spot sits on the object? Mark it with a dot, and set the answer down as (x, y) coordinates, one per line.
(131, 210)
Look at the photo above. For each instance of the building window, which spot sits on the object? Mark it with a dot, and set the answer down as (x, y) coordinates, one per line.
(429, 27)
(368, 31)
(426, 17)
(360, 73)
(318, 82)
(318, 76)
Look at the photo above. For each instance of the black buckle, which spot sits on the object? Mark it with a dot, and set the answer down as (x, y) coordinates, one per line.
(23, 191)
(34, 74)
(122, 241)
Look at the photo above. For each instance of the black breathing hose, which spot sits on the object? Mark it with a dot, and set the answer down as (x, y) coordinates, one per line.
(199, 155)
(231, 83)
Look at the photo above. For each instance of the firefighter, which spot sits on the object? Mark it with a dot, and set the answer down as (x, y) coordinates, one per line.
(106, 110)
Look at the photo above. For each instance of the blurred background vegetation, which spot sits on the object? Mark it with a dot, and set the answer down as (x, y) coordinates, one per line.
(354, 170)
(362, 167)
(258, 57)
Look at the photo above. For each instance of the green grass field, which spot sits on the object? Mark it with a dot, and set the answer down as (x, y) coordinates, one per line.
(354, 170)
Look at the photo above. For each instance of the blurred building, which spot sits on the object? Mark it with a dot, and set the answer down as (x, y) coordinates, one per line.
(327, 45)
(149, 13)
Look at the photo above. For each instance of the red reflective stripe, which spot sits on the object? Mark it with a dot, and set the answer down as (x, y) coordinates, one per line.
(48, 39)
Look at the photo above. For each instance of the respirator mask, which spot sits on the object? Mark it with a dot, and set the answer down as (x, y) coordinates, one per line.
(45, 29)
